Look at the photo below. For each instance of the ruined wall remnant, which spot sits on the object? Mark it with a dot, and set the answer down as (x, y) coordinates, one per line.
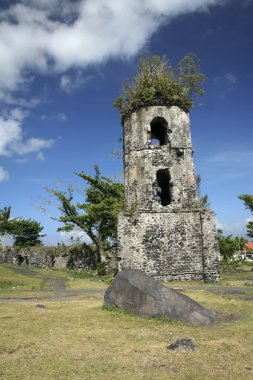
(162, 230)
(73, 257)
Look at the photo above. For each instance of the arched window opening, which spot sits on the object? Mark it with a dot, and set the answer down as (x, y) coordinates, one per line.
(163, 186)
(159, 131)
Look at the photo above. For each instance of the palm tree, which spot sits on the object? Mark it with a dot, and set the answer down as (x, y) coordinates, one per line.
(5, 214)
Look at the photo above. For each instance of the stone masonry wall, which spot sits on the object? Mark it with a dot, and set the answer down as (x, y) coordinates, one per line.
(142, 160)
(50, 257)
(172, 239)
(169, 246)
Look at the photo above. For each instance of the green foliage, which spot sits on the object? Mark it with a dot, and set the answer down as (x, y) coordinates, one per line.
(203, 199)
(80, 248)
(97, 216)
(109, 280)
(228, 246)
(132, 211)
(8, 284)
(82, 251)
(189, 75)
(5, 215)
(250, 229)
(248, 203)
(101, 269)
(158, 83)
(26, 233)
(232, 265)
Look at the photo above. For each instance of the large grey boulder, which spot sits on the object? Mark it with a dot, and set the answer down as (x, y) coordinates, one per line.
(134, 291)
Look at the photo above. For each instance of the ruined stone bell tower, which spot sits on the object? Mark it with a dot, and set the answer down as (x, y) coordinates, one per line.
(162, 230)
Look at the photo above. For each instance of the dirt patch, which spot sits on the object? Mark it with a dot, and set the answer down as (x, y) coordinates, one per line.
(66, 295)
(54, 284)
(227, 291)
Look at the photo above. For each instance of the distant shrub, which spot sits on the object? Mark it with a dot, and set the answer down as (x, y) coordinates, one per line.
(232, 265)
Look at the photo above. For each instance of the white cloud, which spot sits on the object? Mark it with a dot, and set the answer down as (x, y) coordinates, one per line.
(246, 3)
(40, 156)
(238, 228)
(76, 235)
(32, 145)
(70, 84)
(7, 98)
(60, 116)
(65, 36)
(226, 79)
(225, 83)
(22, 160)
(233, 158)
(18, 114)
(11, 135)
(4, 175)
(54, 35)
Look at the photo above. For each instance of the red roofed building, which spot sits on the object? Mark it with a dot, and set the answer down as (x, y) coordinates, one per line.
(249, 245)
(247, 253)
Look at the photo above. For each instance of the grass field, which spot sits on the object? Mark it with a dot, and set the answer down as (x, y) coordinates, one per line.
(43, 338)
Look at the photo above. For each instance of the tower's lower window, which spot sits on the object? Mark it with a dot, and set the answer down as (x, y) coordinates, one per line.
(163, 186)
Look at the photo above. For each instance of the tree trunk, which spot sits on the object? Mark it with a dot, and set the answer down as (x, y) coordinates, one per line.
(4, 241)
(100, 244)
(101, 249)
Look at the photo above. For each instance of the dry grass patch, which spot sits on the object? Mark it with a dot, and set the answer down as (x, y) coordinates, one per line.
(79, 340)
(15, 284)
(12, 281)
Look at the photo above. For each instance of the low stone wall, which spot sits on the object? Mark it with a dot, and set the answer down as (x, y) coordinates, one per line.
(73, 257)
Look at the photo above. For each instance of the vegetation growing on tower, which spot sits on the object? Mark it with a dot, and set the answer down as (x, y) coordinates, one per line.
(158, 83)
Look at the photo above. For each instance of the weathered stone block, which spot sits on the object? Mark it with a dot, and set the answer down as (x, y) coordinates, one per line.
(134, 291)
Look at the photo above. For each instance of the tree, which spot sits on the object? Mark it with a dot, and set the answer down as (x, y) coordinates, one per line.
(240, 243)
(228, 246)
(26, 233)
(190, 76)
(156, 82)
(250, 229)
(5, 214)
(203, 199)
(248, 203)
(97, 216)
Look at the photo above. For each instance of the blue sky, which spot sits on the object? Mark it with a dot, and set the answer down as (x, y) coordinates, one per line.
(64, 62)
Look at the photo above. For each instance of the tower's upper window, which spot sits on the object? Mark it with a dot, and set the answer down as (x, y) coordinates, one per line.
(159, 131)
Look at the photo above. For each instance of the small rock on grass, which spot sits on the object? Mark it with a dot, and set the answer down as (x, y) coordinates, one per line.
(248, 283)
(41, 306)
(183, 344)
